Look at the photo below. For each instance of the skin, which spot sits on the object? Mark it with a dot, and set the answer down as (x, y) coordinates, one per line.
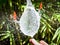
(34, 42)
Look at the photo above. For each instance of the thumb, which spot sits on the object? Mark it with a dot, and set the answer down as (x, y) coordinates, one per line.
(34, 42)
(43, 42)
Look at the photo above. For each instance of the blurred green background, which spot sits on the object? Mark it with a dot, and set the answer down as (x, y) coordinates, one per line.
(49, 30)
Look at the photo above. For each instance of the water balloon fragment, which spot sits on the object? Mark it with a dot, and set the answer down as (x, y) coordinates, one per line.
(30, 20)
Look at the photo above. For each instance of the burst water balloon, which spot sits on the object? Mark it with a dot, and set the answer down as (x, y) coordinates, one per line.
(30, 20)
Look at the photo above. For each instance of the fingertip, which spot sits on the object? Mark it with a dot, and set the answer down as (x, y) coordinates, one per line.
(30, 40)
(43, 42)
(34, 42)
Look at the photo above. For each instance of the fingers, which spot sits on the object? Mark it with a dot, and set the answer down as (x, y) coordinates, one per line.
(43, 42)
(34, 42)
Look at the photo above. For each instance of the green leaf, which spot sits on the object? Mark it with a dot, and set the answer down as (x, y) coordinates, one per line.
(42, 29)
(43, 34)
(4, 37)
(56, 33)
(10, 3)
(2, 34)
(11, 40)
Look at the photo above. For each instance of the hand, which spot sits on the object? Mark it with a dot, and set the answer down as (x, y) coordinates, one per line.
(34, 42)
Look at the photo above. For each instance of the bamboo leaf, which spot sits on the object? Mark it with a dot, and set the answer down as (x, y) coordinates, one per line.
(11, 40)
(2, 34)
(4, 37)
(42, 29)
(56, 33)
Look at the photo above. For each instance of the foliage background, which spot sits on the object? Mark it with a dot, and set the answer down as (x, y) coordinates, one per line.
(50, 22)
